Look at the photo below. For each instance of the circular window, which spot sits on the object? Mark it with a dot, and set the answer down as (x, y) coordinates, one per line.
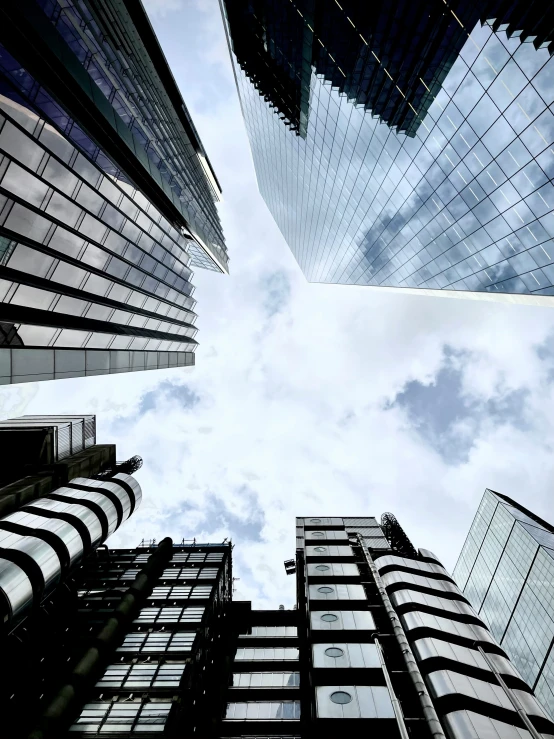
(317, 534)
(320, 549)
(341, 696)
(334, 652)
(329, 617)
(315, 520)
(323, 567)
(325, 589)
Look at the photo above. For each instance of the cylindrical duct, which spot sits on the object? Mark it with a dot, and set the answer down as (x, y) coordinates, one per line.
(44, 540)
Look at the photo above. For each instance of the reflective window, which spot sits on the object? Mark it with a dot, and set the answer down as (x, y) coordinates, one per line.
(134, 716)
(135, 677)
(263, 711)
(266, 679)
(267, 653)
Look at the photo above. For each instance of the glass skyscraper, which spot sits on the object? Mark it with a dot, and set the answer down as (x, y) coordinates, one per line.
(107, 197)
(506, 570)
(440, 185)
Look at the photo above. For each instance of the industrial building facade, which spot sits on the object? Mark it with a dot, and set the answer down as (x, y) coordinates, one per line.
(149, 641)
(107, 197)
(506, 571)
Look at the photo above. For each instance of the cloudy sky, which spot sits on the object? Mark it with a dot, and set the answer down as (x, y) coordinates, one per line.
(314, 399)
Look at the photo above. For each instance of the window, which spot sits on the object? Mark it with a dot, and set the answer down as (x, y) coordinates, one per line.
(334, 652)
(266, 679)
(184, 591)
(159, 641)
(329, 617)
(170, 615)
(190, 573)
(122, 717)
(341, 696)
(274, 631)
(135, 677)
(267, 653)
(264, 711)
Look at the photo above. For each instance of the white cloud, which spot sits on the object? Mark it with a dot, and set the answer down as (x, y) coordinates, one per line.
(294, 415)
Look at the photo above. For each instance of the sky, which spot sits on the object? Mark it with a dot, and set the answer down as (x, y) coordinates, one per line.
(313, 399)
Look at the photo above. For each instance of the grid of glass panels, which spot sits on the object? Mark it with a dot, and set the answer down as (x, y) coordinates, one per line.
(104, 717)
(273, 631)
(159, 641)
(170, 615)
(190, 573)
(196, 557)
(506, 570)
(266, 679)
(465, 205)
(182, 591)
(135, 677)
(264, 711)
(96, 269)
(275, 654)
(137, 94)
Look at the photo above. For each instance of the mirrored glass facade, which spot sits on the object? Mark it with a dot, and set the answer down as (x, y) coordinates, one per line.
(107, 198)
(506, 570)
(461, 207)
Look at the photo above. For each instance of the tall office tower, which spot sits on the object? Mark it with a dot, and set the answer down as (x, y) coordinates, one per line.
(107, 197)
(506, 570)
(404, 146)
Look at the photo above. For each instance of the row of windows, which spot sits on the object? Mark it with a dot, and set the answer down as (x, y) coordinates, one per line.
(266, 679)
(136, 642)
(264, 711)
(122, 717)
(274, 654)
(137, 677)
(190, 557)
(170, 615)
(182, 591)
(273, 631)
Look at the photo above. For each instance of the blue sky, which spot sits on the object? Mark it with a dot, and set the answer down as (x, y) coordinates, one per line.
(314, 399)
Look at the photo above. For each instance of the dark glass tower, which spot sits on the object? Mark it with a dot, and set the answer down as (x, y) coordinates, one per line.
(404, 145)
(107, 197)
(506, 570)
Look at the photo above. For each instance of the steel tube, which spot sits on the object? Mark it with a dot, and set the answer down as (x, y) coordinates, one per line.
(514, 700)
(394, 700)
(427, 706)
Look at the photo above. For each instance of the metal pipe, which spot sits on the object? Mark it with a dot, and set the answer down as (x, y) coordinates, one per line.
(514, 700)
(394, 700)
(427, 706)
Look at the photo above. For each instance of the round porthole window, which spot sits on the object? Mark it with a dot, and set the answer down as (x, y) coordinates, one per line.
(325, 589)
(317, 534)
(315, 520)
(341, 696)
(334, 652)
(329, 617)
(323, 567)
(320, 549)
